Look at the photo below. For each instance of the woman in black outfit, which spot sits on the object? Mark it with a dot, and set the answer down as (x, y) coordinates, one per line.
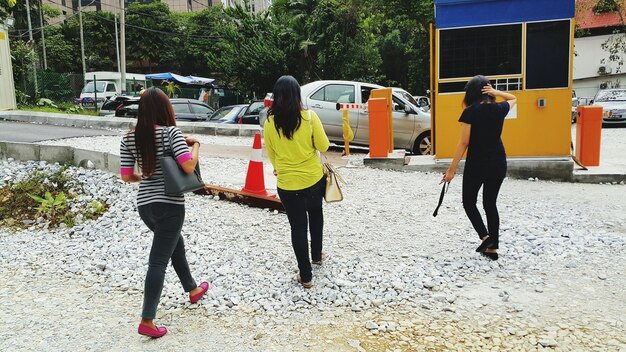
(485, 164)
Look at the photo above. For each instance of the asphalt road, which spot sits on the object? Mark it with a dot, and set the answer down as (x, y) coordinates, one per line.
(27, 132)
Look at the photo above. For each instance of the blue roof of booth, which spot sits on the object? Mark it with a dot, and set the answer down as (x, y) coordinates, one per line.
(465, 13)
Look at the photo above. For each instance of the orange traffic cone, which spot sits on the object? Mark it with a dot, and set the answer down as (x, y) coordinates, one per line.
(255, 180)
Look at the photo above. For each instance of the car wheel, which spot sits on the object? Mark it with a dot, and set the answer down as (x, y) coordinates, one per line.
(423, 145)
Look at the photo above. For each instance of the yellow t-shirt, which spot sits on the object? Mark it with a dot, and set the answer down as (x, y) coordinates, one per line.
(295, 160)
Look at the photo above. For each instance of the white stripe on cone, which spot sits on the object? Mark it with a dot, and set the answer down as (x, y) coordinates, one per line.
(256, 155)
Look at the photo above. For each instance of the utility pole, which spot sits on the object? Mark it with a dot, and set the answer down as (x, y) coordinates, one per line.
(43, 36)
(122, 47)
(117, 46)
(32, 44)
(82, 41)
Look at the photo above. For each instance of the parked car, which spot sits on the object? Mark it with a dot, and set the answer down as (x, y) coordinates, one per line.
(229, 114)
(111, 105)
(613, 103)
(411, 125)
(184, 109)
(247, 114)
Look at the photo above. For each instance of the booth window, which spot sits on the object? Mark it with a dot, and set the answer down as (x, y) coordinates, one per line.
(547, 68)
(490, 50)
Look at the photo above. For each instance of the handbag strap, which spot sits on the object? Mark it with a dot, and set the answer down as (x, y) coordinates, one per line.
(319, 154)
(168, 151)
(444, 190)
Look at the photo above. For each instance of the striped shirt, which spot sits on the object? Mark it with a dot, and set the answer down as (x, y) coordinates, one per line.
(152, 188)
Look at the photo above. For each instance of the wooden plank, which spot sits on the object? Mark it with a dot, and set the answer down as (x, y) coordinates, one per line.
(240, 197)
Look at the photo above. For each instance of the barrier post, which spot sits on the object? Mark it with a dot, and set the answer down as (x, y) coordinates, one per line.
(386, 94)
(588, 135)
(378, 127)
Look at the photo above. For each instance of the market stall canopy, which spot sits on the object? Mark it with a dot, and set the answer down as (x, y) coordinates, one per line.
(193, 80)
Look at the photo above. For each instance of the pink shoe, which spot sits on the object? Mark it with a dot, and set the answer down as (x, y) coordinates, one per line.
(148, 331)
(195, 298)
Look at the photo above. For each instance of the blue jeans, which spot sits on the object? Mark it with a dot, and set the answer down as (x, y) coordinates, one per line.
(166, 221)
(298, 205)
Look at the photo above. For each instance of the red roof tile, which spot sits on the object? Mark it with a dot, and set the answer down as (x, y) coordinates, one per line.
(587, 19)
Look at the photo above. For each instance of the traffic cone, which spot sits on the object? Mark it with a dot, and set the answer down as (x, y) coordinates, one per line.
(255, 181)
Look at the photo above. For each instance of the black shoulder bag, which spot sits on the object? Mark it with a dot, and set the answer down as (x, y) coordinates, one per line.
(176, 180)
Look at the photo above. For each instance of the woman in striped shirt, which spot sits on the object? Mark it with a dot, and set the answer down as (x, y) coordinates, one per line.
(155, 132)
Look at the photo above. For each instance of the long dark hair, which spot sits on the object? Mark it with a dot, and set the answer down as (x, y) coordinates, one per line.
(154, 109)
(474, 94)
(287, 106)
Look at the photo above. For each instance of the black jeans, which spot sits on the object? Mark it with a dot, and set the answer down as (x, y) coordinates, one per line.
(298, 204)
(489, 175)
(166, 221)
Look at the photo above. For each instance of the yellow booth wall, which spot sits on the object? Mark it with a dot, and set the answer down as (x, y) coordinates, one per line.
(536, 132)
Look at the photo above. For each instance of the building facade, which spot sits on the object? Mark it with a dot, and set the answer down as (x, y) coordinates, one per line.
(593, 68)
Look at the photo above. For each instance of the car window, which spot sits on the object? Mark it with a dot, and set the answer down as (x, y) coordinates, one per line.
(407, 96)
(220, 113)
(398, 105)
(611, 95)
(110, 88)
(201, 109)
(365, 94)
(180, 108)
(255, 108)
(335, 93)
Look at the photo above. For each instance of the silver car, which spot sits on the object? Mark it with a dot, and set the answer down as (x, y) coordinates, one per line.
(411, 125)
(613, 103)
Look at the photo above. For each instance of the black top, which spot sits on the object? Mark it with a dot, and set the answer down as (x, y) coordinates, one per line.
(487, 120)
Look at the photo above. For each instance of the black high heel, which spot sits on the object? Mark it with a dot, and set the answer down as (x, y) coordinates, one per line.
(483, 245)
(492, 256)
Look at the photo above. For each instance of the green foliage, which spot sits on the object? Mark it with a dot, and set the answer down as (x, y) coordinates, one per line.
(45, 195)
(384, 42)
(97, 209)
(51, 207)
(170, 88)
(46, 102)
(67, 108)
(604, 6)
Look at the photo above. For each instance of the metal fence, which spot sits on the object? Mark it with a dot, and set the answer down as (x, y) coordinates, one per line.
(58, 87)
(64, 88)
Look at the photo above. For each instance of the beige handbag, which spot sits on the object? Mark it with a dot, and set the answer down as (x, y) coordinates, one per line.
(333, 191)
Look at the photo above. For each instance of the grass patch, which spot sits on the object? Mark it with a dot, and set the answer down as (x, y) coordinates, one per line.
(46, 199)
(62, 109)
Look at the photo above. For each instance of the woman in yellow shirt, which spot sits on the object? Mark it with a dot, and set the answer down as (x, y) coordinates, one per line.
(292, 138)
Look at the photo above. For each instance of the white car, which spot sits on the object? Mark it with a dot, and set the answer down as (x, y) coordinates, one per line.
(411, 124)
(613, 103)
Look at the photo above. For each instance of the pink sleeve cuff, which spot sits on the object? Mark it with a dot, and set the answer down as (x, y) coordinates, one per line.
(181, 159)
(127, 171)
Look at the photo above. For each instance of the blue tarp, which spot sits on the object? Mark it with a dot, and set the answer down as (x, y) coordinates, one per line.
(466, 13)
(168, 76)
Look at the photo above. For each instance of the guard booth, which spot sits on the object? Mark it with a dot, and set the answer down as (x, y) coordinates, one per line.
(524, 48)
(7, 89)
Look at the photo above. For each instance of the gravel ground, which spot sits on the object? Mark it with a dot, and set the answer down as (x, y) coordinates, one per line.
(397, 278)
(111, 144)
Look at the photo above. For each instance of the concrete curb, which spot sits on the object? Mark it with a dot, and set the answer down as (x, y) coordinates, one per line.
(206, 128)
(553, 169)
(60, 154)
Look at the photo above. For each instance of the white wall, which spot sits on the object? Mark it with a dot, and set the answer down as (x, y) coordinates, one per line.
(7, 89)
(587, 61)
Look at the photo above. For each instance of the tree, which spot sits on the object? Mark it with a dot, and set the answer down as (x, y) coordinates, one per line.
(154, 36)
